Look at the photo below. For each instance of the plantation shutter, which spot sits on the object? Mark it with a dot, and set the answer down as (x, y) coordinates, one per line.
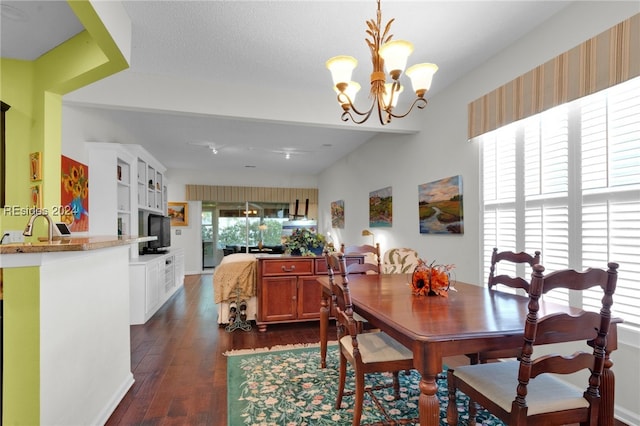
(567, 182)
(611, 212)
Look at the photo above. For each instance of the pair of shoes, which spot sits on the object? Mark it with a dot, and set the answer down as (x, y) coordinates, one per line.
(243, 311)
(233, 310)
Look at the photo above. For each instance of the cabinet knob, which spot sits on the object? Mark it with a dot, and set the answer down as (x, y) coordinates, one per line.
(284, 268)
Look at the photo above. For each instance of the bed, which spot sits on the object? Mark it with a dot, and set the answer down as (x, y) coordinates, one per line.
(234, 281)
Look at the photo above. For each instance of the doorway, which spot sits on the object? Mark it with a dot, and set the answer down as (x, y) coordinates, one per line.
(237, 227)
(208, 236)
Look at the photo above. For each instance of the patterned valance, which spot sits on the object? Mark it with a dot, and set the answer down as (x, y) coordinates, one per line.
(241, 194)
(600, 62)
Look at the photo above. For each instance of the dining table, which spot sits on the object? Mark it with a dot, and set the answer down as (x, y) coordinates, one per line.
(469, 319)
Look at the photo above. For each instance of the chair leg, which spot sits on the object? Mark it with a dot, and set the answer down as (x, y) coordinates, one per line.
(473, 410)
(452, 408)
(396, 385)
(342, 378)
(359, 400)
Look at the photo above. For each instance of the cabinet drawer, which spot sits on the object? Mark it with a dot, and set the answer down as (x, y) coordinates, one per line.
(287, 267)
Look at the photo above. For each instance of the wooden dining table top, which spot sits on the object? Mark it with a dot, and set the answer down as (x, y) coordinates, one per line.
(469, 318)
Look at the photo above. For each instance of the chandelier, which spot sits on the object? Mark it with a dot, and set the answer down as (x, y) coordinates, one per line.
(385, 54)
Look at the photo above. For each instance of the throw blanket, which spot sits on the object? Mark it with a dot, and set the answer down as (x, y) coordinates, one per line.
(234, 281)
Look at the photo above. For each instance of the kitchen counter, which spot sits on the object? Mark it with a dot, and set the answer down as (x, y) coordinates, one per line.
(66, 313)
(71, 244)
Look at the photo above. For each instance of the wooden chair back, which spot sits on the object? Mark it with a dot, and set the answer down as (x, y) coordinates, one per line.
(340, 292)
(514, 282)
(515, 258)
(561, 327)
(530, 390)
(368, 251)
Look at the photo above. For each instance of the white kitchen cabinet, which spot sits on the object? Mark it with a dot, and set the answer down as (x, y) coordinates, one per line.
(153, 279)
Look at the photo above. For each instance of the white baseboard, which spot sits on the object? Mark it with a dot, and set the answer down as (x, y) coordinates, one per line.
(627, 417)
(112, 404)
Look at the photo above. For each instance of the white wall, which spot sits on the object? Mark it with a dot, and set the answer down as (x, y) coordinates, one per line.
(441, 149)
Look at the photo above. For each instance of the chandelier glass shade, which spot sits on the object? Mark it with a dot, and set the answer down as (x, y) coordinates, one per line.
(385, 55)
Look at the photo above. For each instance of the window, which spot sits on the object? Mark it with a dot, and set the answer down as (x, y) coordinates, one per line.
(567, 182)
(239, 227)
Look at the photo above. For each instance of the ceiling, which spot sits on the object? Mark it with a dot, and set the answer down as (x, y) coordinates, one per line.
(259, 87)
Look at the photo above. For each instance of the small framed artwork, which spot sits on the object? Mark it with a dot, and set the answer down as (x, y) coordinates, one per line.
(35, 166)
(440, 206)
(179, 213)
(337, 214)
(381, 208)
(36, 196)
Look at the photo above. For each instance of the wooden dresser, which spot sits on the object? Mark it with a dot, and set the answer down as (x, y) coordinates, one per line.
(288, 290)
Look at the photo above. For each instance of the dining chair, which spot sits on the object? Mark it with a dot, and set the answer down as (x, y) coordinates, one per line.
(399, 260)
(510, 281)
(371, 261)
(334, 266)
(528, 390)
(513, 258)
(373, 352)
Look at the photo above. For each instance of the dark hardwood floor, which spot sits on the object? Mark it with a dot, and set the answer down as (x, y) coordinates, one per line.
(178, 364)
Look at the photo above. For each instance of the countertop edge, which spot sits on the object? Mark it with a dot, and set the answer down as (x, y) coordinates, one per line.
(72, 244)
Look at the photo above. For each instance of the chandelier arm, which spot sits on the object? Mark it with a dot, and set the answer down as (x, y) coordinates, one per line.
(365, 115)
(419, 102)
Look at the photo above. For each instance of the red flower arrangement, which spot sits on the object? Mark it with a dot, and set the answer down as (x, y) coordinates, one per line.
(431, 279)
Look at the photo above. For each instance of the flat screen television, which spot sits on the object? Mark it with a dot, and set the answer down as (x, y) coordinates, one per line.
(158, 226)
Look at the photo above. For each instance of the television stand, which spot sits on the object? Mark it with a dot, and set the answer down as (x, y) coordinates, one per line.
(153, 279)
(147, 250)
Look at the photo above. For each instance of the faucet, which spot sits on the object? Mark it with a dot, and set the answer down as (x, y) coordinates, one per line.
(28, 231)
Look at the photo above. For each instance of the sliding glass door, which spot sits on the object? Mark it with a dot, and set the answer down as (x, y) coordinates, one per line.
(240, 228)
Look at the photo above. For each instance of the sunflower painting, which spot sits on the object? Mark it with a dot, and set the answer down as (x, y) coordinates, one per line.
(74, 195)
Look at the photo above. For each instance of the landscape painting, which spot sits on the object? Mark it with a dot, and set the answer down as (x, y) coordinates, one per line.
(380, 208)
(440, 206)
(337, 214)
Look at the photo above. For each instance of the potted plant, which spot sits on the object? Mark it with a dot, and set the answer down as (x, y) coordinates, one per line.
(304, 242)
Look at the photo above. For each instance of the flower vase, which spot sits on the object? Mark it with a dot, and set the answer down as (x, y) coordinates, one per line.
(430, 280)
(317, 250)
(421, 279)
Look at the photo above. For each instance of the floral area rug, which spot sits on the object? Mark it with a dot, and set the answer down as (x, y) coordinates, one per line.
(287, 387)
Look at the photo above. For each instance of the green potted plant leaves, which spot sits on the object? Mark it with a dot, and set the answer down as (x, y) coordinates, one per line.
(304, 242)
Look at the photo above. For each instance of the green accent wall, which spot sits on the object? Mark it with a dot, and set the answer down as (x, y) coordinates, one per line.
(34, 90)
(21, 381)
